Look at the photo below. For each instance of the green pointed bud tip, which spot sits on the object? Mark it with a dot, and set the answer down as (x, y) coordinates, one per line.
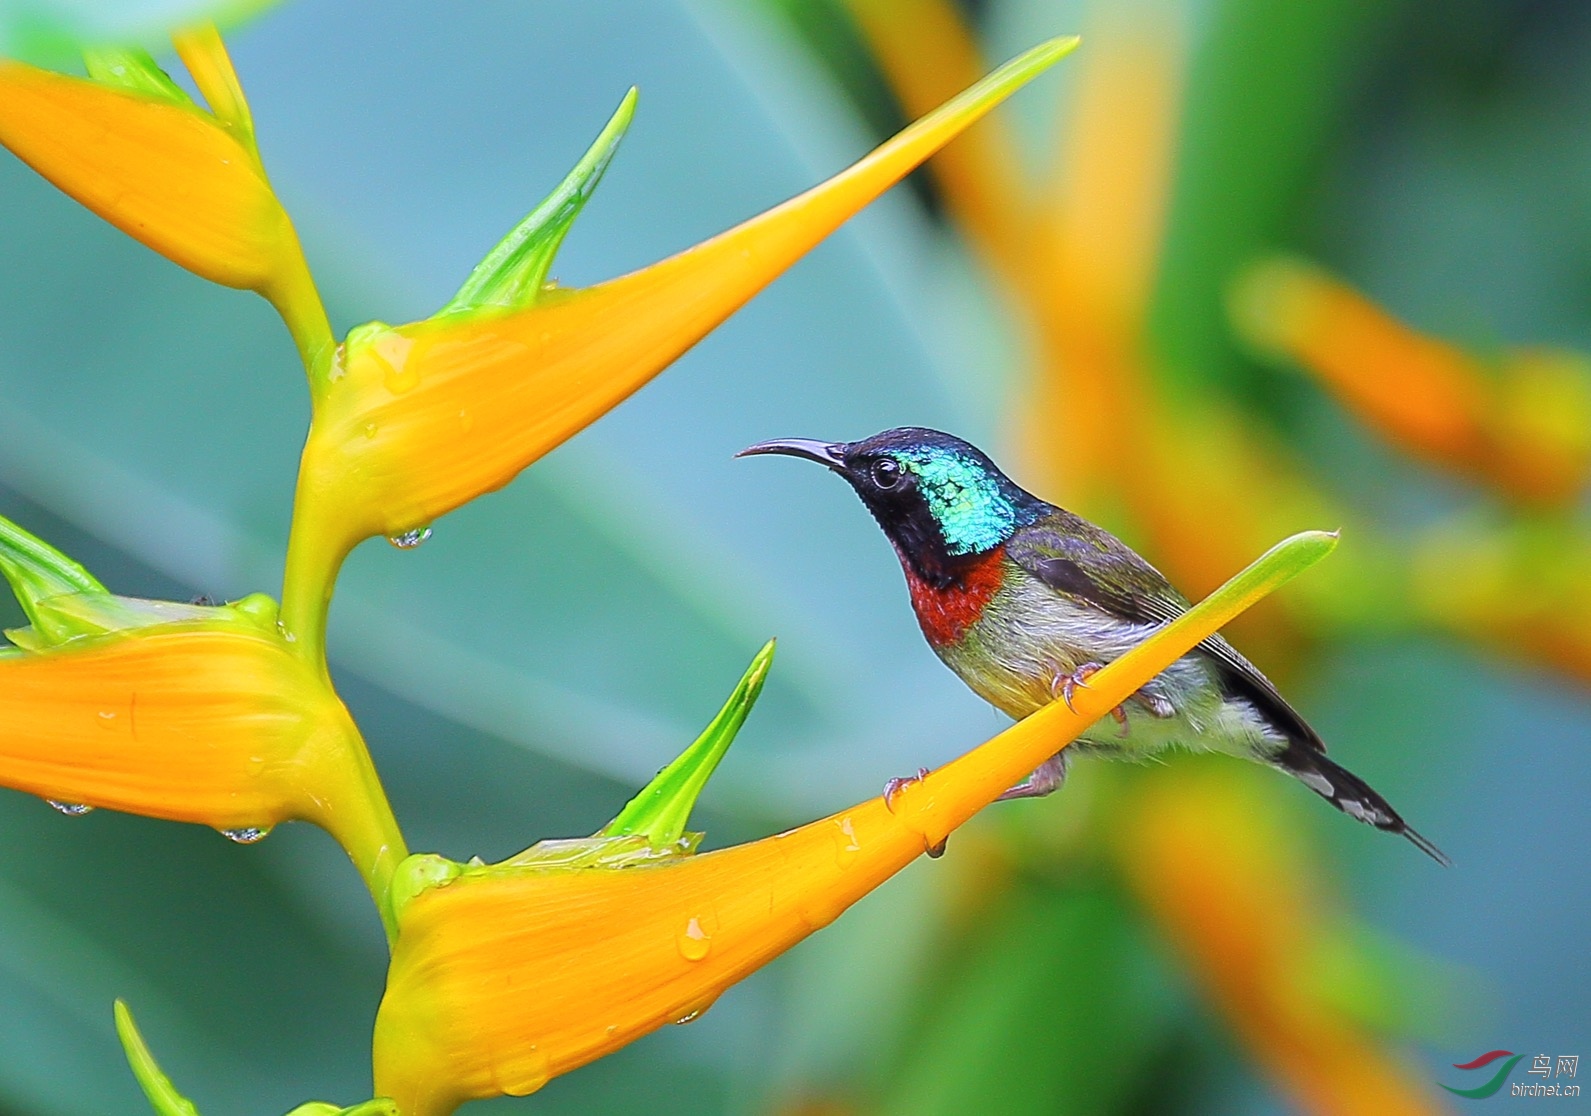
(514, 274)
(380, 1106)
(162, 1094)
(38, 572)
(78, 615)
(133, 69)
(661, 811)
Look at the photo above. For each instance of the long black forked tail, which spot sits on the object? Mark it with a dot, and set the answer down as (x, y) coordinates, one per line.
(1350, 794)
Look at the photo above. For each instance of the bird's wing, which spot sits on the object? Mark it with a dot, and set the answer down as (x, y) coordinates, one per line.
(1093, 567)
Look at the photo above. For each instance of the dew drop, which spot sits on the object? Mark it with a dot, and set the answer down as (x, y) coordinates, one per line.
(248, 835)
(370, 429)
(845, 843)
(390, 352)
(695, 1011)
(694, 942)
(70, 809)
(528, 1072)
(410, 539)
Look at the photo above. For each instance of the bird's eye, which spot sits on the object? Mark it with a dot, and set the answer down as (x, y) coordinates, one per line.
(886, 473)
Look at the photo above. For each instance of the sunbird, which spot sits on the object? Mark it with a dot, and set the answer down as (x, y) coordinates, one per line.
(1024, 601)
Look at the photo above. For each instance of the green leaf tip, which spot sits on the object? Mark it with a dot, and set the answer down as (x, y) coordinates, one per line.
(162, 1094)
(513, 274)
(661, 810)
(133, 69)
(166, 1101)
(1018, 71)
(63, 601)
(1278, 565)
(37, 571)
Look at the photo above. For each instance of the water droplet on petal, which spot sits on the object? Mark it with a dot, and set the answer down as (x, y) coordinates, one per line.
(845, 843)
(70, 809)
(526, 1073)
(370, 429)
(410, 539)
(694, 942)
(696, 1010)
(248, 835)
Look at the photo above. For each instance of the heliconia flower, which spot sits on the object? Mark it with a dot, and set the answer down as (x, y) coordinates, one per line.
(1521, 424)
(196, 713)
(1522, 587)
(1205, 856)
(167, 1101)
(504, 976)
(129, 144)
(417, 419)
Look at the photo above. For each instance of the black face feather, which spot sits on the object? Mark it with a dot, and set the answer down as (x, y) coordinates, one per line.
(941, 501)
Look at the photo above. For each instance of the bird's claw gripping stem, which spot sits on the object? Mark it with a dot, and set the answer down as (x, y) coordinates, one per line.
(893, 788)
(892, 791)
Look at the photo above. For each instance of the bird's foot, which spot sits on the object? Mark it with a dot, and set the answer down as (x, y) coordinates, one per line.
(1047, 778)
(893, 788)
(892, 791)
(1067, 685)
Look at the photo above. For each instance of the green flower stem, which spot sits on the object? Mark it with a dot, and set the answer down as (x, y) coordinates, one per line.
(315, 553)
(297, 300)
(363, 823)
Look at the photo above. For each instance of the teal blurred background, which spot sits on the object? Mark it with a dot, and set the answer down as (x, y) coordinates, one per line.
(556, 642)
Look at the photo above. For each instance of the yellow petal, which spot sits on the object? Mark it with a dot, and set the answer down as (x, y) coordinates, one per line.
(214, 724)
(504, 978)
(167, 174)
(421, 418)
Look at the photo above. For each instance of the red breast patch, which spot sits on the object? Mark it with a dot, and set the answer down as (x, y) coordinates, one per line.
(945, 614)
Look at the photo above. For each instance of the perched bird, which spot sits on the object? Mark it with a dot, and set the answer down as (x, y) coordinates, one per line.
(1024, 600)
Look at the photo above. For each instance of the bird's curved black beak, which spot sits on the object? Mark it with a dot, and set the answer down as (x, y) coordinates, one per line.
(831, 454)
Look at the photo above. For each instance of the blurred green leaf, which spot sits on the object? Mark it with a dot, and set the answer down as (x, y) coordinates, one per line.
(1058, 1004)
(52, 31)
(1269, 84)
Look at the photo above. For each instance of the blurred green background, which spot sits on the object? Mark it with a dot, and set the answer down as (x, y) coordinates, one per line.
(554, 643)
